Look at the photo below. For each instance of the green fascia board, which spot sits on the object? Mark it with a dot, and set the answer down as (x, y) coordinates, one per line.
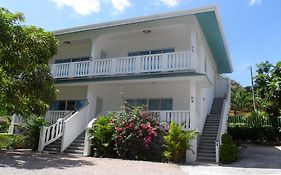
(210, 27)
(126, 77)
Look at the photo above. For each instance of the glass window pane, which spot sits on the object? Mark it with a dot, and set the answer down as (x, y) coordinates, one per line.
(70, 105)
(168, 50)
(144, 53)
(131, 54)
(131, 102)
(141, 102)
(76, 59)
(156, 52)
(167, 104)
(61, 105)
(79, 104)
(154, 104)
(54, 105)
(85, 59)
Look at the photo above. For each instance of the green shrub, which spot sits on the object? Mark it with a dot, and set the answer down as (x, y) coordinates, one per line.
(253, 133)
(4, 124)
(101, 137)
(32, 130)
(228, 153)
(11, 141)
(177, 143)
(226, 139)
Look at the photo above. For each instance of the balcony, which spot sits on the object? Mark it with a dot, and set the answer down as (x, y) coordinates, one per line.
(156, 63)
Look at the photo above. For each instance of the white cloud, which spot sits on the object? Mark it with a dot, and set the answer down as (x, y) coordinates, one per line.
(254, 2)
(81, 7)
(170, 3)
(120, 5)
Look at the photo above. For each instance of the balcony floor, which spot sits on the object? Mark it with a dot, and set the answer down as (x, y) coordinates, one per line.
(127, 77)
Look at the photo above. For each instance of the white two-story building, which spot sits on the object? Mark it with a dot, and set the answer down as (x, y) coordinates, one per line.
(170, 63)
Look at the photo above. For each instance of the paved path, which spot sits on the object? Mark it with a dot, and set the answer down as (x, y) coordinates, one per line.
(255, 160)
(27, 163)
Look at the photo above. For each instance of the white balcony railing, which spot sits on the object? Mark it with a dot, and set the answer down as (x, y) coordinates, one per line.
(176, 61)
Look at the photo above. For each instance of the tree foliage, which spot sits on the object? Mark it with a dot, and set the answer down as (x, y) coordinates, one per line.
(25, 81)
(241, 100)
(268, 88)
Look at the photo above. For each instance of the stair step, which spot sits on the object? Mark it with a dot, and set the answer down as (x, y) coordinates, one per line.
(211, 155)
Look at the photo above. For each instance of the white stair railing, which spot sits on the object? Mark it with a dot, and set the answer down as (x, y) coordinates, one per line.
(53, 115)
(87, 145)
(223, 121)
(74, 126)
(49, 134)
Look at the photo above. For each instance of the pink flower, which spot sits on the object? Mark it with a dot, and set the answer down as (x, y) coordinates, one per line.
(118, 129)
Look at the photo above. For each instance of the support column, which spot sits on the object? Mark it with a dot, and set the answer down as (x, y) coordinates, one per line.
(91, 98)
(193, 47)
(191, 156)
(93, 55)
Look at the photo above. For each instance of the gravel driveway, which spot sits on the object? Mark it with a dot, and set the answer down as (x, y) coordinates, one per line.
(28, 163)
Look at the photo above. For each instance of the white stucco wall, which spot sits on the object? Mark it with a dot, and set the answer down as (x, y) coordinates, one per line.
(112, 100)
(76, 49)
(72, 93)
(118, 45)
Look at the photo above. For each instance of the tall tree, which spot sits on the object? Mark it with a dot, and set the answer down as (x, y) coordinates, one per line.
(268, 88)
(26, 84)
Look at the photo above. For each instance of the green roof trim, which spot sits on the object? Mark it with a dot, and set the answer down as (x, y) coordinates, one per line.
(214, 36)
(130, 77)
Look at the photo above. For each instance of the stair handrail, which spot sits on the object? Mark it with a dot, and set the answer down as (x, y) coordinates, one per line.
(225, 108)
(73, 126)
(49, 134)
(87, 144)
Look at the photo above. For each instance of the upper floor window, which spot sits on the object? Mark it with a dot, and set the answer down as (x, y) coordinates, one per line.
(68, 60)
(151, 52)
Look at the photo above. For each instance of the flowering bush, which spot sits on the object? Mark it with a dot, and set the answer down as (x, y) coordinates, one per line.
(131, 134)
(138, 135)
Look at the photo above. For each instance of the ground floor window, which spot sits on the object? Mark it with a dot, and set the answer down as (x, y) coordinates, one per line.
(153, 103)
(71, 105)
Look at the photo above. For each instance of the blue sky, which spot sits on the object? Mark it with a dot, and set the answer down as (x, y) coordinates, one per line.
(252, 27)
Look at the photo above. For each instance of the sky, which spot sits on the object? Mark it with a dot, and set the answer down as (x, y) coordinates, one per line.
(252, 27)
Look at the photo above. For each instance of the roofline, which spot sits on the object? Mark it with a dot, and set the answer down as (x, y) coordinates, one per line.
(136, 20)
(218, 16)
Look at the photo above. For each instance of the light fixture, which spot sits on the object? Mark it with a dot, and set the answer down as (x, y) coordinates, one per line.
(66, 42)
(147, 31)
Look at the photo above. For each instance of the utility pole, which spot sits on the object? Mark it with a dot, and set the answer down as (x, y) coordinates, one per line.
(253, 91)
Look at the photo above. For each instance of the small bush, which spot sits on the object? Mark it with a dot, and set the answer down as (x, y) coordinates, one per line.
(4, 124)
(101, 137)
(32, 131)
(131, 134)
(177, 143)
(228, 153)
(226, 139)
(11, 141)
(138, 135)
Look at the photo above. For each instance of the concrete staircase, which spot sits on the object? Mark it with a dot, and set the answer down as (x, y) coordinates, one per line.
(207, 148)
(76, 147)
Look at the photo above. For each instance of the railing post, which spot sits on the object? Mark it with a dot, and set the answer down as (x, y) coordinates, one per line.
(42, 139)
(114, 67)
(217, 151)
(137, 64)
(71, 71)
(87, 144)
(164, 62)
